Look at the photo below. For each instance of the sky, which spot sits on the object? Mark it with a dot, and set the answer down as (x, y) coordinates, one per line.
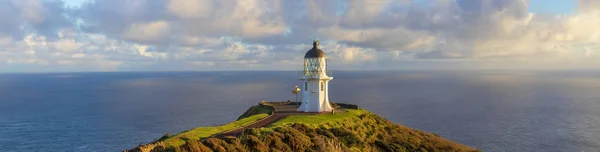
(224, 35)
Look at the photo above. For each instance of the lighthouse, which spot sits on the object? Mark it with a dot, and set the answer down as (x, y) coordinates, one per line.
(315, 80)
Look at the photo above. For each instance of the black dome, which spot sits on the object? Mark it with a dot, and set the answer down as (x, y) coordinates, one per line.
(315, 52)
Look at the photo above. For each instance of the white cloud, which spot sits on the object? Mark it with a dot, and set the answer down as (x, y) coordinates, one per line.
(190, 8)
(204, 41)
(17, 17)
(243, 18)
(148, 32)
(67, 45)
(364, 11)
(202, 63)
(254, 34)
(398, 38)
(4, 41)
(348, 53)
(78, 55)
(142, 51)
(33, 11)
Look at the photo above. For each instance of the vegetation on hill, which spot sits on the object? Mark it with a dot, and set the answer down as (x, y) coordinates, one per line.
(254, 110)
(323, 119)
(354, 130)
(204, 132)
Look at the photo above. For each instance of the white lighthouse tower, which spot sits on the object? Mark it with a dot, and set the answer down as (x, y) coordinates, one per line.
(315, 90)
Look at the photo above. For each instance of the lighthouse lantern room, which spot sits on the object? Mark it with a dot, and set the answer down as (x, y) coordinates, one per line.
(315, 78)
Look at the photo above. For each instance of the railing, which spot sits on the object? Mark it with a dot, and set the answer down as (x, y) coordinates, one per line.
(314, 73)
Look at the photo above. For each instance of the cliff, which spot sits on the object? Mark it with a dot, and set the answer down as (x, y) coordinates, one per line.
(348, 130)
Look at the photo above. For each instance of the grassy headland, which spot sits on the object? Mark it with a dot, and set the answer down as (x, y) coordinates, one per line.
(204, 132)
(254, 110)
(316, 120)
(353, 130)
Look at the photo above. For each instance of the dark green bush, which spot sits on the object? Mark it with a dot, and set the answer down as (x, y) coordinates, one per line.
(234, 144)
(274, 141)
(255, 144)
(176, 149)
(367, 132)
(252, 131)
(215, 144)
(194, 146)
(297, 140)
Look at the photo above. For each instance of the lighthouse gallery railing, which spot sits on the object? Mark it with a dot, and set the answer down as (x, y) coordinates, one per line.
(314, 73)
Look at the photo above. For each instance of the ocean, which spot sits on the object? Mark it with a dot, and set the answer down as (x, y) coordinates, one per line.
(489, 110)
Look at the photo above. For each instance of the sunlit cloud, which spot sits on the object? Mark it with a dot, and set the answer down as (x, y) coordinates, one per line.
(115, 35)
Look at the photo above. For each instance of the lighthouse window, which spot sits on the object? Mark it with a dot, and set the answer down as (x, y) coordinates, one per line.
(305, 86)
(321, 86)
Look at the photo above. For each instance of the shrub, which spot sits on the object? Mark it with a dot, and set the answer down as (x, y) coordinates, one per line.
(364, 132)
(252, 131)
(275, 143)
(194, 146)
(255, 144)
(300, 127)
(278, 135)
(234, 144)
(176, 149)
(390, 146)
(231, 140)
(215, 144)
(340, 132)
(297, 140)
(324, 132)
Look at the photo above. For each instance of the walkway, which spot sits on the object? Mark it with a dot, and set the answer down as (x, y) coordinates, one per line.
(281, 111)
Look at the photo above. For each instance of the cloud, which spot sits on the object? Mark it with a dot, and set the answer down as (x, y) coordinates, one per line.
(142, 51)
(348, 54)
(587, 6)
(506, 30)
(361, 12)
(190, 9)
(254, 34)
(380, 38)
(148, 32)
(78, 55)
(67, 45)
(20, 16)
(163, 22)
(241, 18)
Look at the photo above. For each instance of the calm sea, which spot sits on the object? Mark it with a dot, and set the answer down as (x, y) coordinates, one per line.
(489, 110)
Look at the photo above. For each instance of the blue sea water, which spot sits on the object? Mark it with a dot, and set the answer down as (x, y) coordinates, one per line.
(489, 110)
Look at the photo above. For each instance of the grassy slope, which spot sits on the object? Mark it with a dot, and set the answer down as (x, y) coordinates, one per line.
(354, 130)
(203, 132)
(254, 110)
(314, 120)
(375, 132)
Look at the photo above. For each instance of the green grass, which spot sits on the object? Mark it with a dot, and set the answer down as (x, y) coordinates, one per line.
(314, 120)
(353, 130)
(203, 132)
(254, 110)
